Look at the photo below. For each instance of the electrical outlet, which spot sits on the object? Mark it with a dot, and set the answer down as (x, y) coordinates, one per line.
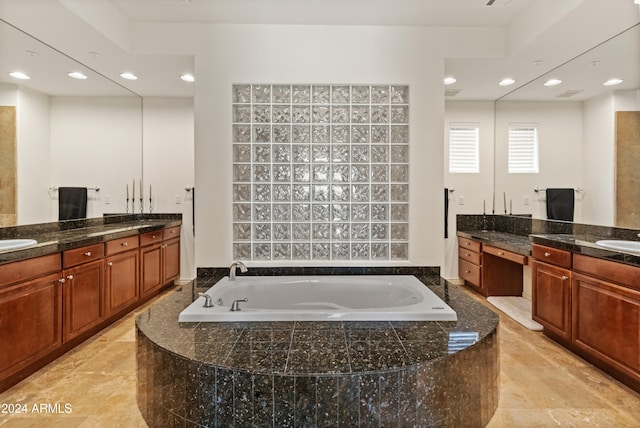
(460, 200)
(526, 200)
(178, 201)
(107, 199)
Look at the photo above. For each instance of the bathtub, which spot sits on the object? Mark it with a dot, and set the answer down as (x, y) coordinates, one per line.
(320, 298)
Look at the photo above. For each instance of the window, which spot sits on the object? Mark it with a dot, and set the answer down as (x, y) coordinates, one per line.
(523, 148)
(464, 143)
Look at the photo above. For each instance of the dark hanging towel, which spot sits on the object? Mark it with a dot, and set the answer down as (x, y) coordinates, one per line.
(560, 203)
(72, 203)
(446, 213)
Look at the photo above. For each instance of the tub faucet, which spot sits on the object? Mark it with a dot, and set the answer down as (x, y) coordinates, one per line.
(232, 270)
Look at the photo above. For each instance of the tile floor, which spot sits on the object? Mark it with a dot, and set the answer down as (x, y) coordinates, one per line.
(541, 385)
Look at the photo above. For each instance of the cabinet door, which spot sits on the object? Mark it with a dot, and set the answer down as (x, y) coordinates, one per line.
(121, 281)
(551, 295)
(171, 260)
(150, 269)
(606, 322)
(30, 322)
(83, 298)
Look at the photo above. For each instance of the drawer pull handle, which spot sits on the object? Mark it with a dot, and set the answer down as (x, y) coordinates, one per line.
(110, 264)
(153, 236)
(468, 255)
(70, 277)
(500, 253)
(467, 271)
(547, 254)
(468, 243)
(124, 244)
(564, 277)
(88, 254)
(61, 280)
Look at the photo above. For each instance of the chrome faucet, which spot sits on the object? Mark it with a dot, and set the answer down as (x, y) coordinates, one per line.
(232, 270)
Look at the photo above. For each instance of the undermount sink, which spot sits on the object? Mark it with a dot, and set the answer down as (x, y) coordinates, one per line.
(15, 244)
(620, 245)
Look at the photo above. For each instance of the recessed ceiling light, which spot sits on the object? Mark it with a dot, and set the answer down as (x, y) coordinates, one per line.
(129, 76)
(612, 82)
(94, 54)
(449, 80)
(77, 75)
(32, 53)
(188, 77)
(552, 82)
(506, 82)
(19, 75)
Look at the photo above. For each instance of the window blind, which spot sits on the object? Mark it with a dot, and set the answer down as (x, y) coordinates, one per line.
(523, 149)
(464, 143)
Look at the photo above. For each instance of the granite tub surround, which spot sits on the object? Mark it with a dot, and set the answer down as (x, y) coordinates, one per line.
(318, 373)
(65, 235)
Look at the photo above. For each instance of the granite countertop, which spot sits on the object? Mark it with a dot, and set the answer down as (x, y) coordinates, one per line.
(54, 241)
(585, 244)
(296, 348)
(518, 244)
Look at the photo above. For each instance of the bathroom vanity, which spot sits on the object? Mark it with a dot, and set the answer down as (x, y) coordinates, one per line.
(588, 299)
(77, 280)
(585, 296)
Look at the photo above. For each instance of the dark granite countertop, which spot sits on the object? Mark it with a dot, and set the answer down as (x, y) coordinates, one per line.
(585, 244)
(304, 348)
(61, 236)
(518, 244)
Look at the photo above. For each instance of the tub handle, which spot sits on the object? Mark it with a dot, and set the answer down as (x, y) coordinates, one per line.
(235, 305)
(208, 301)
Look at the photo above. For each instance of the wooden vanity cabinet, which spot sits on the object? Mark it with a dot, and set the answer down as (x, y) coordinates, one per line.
(83, 289)
(502, 271)
(150, 262)
(122, 274)
(551, 298)
(30, 312)
(470, 263)
(159, 259)
(606, 313)
(171, 255)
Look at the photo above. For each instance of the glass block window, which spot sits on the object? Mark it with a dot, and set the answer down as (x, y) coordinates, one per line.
(320, 172)
(464, 148)
(523, 148)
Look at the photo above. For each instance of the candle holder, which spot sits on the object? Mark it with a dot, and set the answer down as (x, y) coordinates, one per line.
(141, 206)
(150, 206)
(126, 207)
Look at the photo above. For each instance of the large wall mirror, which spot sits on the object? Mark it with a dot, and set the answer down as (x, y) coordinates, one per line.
(58, 131)
(588, 135)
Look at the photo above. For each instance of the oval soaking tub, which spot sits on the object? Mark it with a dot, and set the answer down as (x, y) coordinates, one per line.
(320, 298)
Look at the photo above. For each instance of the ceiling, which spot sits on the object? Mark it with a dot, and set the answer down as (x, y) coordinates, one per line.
(102, 35)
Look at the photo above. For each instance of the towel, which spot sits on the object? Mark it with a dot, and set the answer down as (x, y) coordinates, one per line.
(72, 203)
(560, 204)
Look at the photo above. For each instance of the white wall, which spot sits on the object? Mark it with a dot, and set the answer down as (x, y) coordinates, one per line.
(472, 191)
(168, 166)
(560, 139)
(231, 54)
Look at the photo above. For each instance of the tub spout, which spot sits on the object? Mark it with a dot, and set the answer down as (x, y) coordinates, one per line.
(234, 266)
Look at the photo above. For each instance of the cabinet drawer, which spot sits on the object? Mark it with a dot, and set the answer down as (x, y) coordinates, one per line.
(470, 256)
(123, 244)
(626, 275)
(469, 272)
(172, 232)
(27, 269)
(151, 237)
(469, 244)
(82, 255)
(508, 255)
(551, 255)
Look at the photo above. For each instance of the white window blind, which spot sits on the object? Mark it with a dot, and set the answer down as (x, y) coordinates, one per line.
(523, 148)
(464, 143)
